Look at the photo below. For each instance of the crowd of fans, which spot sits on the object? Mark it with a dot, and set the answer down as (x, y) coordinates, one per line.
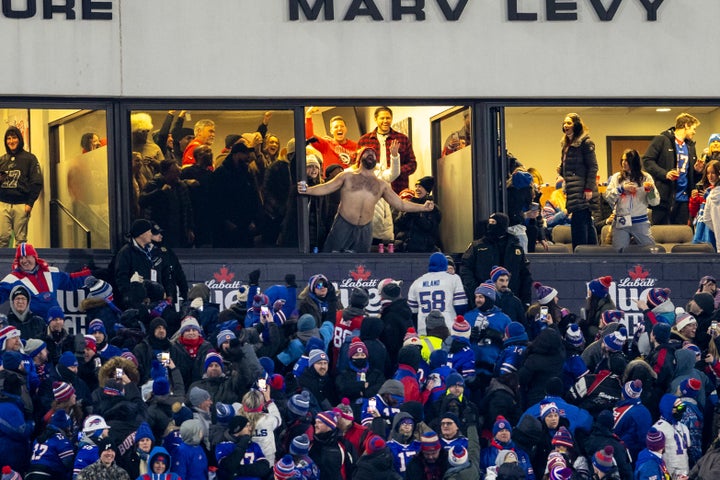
(290, 383)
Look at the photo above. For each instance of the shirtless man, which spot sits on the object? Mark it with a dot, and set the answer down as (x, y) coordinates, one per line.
(360, 190)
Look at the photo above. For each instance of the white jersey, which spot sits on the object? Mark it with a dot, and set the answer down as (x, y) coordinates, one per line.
(677, 442)
(436, 291)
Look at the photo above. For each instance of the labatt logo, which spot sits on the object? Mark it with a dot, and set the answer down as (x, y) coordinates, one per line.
(224, 288)
(360, 277)
(626, 291)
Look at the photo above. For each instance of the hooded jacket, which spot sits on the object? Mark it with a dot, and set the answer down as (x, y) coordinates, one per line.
(29, 324)
(167, 475)
(677, 437)
(23, 182)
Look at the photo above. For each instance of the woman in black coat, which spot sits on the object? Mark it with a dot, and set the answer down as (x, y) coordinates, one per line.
(544, 359)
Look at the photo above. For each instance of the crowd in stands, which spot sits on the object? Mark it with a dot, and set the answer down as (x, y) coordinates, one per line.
(288, 383)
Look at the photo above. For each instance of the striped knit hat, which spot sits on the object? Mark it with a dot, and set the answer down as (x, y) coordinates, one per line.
(461, 328)
(62, 391)
(329, 418)
(285, 469)
(657, 296)
(655, 440)
(563, 437)
(574, 335)
(497, 272)
(603, 459)
(632, 389)
(429, 442)
(610, 316)
(357, 346)
(458, 456)
(6, 333)
(544, 293)
(411, 337)
(487, 290)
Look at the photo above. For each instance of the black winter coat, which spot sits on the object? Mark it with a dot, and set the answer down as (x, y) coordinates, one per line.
(579, 168)
(170, 208)
(660, 157)
(601, 436)
(328, 456)
(544, 359)
(192, 369)
(418, 231)
(397, 318)
(499, 399)
(321, 388)
(376, 466)
(233, 186)
(131, 259)
(483, 254)
(370, 331)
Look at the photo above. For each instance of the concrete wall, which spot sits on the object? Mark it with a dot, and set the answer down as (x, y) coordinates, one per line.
(250, 48)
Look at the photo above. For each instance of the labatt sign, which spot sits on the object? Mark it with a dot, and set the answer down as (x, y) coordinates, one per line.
(224, 289)
(360, 277)
(626, 291)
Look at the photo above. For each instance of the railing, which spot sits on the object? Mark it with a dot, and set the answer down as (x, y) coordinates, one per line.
(76, 221)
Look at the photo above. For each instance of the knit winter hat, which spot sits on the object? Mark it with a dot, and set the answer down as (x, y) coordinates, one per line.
(6, 333)
(695, 349)
(315, 356)
(683, 320)
(603, 459)
(197, 396)
(53, 313)
(498, 271)
(344, 410)
(144, 431)
(181, 413)
(487, 290)
(690, 387)
(392, 387)
(357, 346)
(615, 341)
(10, 474)
(188, 323)
(438, 262)
(655, 440)
(429, 442)
(12, 360)
(563, 437)
(547, 408)
(305, 323)
(501, 423)
(574, 335)
(19, 291)
(359, 298)
(96, 325)
(411, 337)
(434, 319)
(705, 301)
(97, 288)
(62, 391)
(657, 296)
(225, 336)
(300, 445)
(315, 279)
(299, 404)
(600, 286)
(34, 346)
(212, 357)
(68, 359)
(661, 332)
(458, 456)
(610, 316)
(556, 460)
(375, 444)
(61, 420)
(514, 329)
(260, 300)
(560, 473)
(632, 389)
(329, 418)
(543, 293)
(160, 386)
(390, 290)
(237, 423)
(285, 469)
(454, 379)
(461, 328)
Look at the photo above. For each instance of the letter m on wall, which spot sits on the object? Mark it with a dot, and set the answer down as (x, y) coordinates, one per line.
(311, 13)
